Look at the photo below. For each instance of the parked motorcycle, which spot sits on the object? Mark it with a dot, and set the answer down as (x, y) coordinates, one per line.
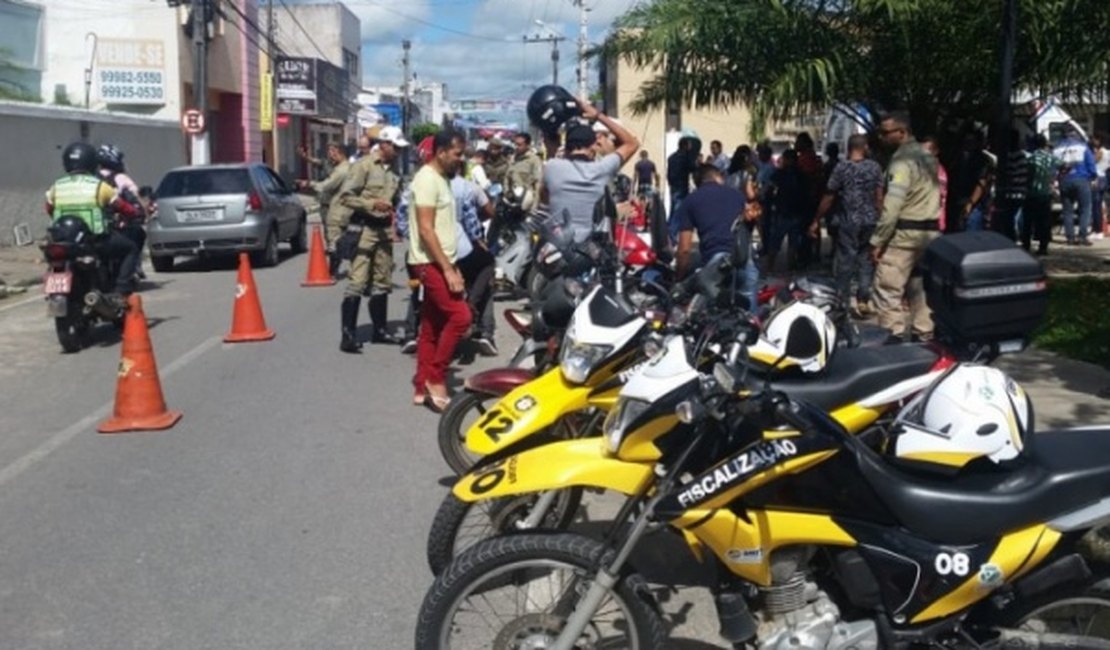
(817, 540)
(79, 284)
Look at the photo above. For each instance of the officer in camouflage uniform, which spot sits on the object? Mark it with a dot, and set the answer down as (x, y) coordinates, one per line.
(371, 192)
(335, 215)
(907, 226)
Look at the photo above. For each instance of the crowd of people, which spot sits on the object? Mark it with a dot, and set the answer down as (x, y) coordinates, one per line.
(444, 216)
(751, 205)
(878, 220)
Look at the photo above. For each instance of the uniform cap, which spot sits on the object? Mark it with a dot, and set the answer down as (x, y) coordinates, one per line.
(393, 134)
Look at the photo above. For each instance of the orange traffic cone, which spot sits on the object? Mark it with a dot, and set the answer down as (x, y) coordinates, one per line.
(318, 274)
(247, 321)
(139, 402)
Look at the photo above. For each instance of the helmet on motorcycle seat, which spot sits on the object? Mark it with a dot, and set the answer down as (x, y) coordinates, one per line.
(70, 229)
(819, 292)
(623, 188)
(550, 107)
(79, 157)
(968, 413)
(800, 334)
(110, 157)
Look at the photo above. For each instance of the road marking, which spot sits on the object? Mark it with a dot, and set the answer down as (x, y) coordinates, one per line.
(55, 441)
(26, 301)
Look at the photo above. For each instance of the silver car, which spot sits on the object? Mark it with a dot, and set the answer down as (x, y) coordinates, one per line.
(224, 209)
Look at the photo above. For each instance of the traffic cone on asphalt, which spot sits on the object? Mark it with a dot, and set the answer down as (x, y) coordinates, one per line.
(139, 402)
(247, 321)
(318, 273)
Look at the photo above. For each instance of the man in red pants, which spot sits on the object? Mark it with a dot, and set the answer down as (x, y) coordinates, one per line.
(444, 314)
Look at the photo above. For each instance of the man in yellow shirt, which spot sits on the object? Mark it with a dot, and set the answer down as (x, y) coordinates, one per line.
(444, 314)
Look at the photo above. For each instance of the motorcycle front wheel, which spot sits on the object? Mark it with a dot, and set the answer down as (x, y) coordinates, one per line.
(517, 591)
(462, 411)
(459, 525)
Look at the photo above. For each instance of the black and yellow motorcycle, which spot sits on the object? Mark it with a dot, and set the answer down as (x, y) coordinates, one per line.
(818, 540)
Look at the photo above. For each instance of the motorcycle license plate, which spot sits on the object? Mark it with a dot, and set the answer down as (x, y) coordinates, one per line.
(58, 282)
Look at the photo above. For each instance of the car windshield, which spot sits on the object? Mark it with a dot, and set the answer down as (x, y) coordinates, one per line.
(194, 182)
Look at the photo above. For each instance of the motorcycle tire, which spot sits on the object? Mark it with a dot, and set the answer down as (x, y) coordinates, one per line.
(443, 538)
(1035, 614)
(72, 329)
(496, 559)
(534, 282)
(452, 429)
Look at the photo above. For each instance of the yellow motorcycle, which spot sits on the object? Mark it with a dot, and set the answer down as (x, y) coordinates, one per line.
(819, 541)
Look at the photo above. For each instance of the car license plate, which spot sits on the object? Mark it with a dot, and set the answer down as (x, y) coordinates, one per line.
(58, 282)
(209, 214)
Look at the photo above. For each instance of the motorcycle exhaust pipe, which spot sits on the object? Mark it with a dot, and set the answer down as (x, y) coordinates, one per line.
(96, 302)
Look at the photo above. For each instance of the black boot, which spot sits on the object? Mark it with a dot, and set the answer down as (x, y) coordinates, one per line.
(333, 264)
(378, 307)
(349, 320)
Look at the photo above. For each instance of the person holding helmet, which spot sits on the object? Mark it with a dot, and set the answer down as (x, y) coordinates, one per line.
(83, 194)
(371, 192)
(574, 184)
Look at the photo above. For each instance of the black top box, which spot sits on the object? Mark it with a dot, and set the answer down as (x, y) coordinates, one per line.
(983, 289)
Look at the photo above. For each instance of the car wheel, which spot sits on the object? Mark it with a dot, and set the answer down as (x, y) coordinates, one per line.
(268, 256)
(162, 263)
(299, 242)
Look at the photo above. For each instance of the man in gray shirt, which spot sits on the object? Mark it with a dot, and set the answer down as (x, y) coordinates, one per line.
(574, 184)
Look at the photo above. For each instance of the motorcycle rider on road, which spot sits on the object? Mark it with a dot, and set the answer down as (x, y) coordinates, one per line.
(110, 159)
(81, 193)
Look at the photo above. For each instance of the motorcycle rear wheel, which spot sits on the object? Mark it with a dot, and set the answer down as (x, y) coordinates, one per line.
(554, 568)
(72, 329)
(459, 525)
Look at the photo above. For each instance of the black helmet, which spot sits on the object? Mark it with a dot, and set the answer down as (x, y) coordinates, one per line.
(110, 157)
(69, 229)
(79, 157)
(550, 107)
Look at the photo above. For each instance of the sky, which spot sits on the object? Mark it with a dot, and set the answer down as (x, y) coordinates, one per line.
(476, 46)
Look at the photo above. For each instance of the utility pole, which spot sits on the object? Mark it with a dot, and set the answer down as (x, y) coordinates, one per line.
(583, 43)
(271, 32)
(1005, 97)
(200, 78)
(554, 40)
(406, 45)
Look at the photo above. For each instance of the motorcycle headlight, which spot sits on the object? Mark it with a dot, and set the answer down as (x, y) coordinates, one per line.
(577, 360)
(625, 413)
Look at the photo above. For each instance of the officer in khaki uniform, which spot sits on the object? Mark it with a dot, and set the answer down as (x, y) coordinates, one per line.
(497, 163)
(907, 226)
(371, 192)
(334, 214)
(526, 168)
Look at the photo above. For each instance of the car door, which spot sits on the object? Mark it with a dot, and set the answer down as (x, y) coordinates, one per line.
(290, 206)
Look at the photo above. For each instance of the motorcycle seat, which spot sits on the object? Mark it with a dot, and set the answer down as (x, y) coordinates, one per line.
(1063, 471)
(855, 373)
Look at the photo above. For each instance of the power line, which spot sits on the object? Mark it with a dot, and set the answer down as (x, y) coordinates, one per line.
(427, 23)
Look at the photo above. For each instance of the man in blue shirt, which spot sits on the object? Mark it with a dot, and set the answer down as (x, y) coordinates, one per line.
(715, 211)
(1075, 186)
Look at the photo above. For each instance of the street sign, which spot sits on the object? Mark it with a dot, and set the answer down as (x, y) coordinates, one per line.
(192, 121)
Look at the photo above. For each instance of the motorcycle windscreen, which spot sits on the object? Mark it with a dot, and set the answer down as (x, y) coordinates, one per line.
(525, 411)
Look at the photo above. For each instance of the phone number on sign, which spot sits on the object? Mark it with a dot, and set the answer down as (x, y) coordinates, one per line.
(131, 92)
(129, 77)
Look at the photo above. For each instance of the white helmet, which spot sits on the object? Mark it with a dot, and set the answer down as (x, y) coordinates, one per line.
(969, 412)
(800, 332)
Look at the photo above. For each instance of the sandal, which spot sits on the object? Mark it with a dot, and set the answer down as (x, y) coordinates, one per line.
(437, 403)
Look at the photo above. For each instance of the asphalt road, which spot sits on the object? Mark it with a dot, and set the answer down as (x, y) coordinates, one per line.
(288, 509)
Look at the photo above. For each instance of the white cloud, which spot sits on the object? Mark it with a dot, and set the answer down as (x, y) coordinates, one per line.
(499, 66)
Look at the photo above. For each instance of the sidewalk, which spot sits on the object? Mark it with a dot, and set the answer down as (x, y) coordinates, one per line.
(20, 267)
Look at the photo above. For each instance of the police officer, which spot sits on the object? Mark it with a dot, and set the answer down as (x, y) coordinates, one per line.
(526, 169)
(335, 215)
(82, 194)
(908, 223)
(371, 192)
(497, 163)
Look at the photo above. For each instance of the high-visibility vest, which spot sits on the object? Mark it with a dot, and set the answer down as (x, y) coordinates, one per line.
(77, 195)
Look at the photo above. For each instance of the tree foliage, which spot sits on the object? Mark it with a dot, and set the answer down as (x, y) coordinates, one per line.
(421, 131)
(938, 59)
